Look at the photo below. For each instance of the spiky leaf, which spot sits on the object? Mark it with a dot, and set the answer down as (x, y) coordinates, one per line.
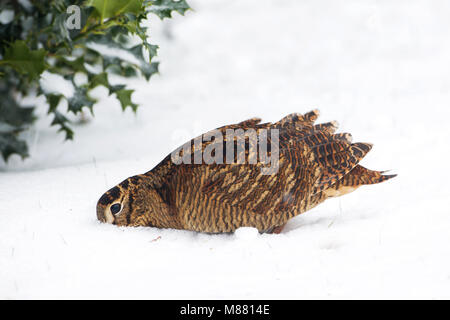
(111, 8)
(10, 144)
(62, 121)
(164, 8)
(124, 96)
(25, 61)
(80, 99)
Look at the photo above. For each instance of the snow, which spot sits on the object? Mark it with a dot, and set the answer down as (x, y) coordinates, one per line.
(246, 233)
(380, 68)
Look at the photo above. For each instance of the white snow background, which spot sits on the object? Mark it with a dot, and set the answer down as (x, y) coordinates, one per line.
(380, 68)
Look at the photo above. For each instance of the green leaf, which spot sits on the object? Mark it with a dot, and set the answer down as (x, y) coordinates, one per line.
(115, 88)
(13, 117)
(149, 69)
(18, 117)
(124, 96)
(60, 28)
(129, 71)
(68, 67)
(25, 61)
(163, 8)
(111, 8)
(100, 79)
(80, 99)
(53, 101)
(61, 120)
(137, 51)
(110, 61)
(77, 64)
(58, 118)
(13, 114)
(151, 48)
(10, 144)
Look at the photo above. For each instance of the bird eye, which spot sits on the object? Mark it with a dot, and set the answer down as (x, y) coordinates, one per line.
(115, 208)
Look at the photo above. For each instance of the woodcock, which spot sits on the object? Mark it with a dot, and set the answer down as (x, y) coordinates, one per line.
(314, 164)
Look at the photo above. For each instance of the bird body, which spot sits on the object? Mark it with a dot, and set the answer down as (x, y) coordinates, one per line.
(313, 164)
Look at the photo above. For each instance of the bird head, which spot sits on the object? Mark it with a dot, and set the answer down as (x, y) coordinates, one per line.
(128, 203)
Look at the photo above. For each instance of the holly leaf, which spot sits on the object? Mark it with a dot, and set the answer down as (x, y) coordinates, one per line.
(114, 37)
(151, 48)
(23, 60)
(14, 114)
(13, 119)
(60, 28)
(77, 64)
(110, 8)
(109, 61)
(137, 51)
(68, 67)
(80, 99)
(115, 88)
(124, 97)
(100, 79)
(129, 71)
(61, 120)
(10, 144)
(163, 8)
(149, 69)
(53, 101)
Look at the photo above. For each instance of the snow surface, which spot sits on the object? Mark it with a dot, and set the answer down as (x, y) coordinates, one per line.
(381, 68)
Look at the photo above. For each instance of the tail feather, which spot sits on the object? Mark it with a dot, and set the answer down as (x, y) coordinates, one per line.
(337, 159)
(357, 177)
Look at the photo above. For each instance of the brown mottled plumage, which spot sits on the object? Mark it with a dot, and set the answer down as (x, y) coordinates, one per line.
(314, 164)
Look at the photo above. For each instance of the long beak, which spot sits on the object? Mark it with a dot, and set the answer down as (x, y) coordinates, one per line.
(104, 215)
